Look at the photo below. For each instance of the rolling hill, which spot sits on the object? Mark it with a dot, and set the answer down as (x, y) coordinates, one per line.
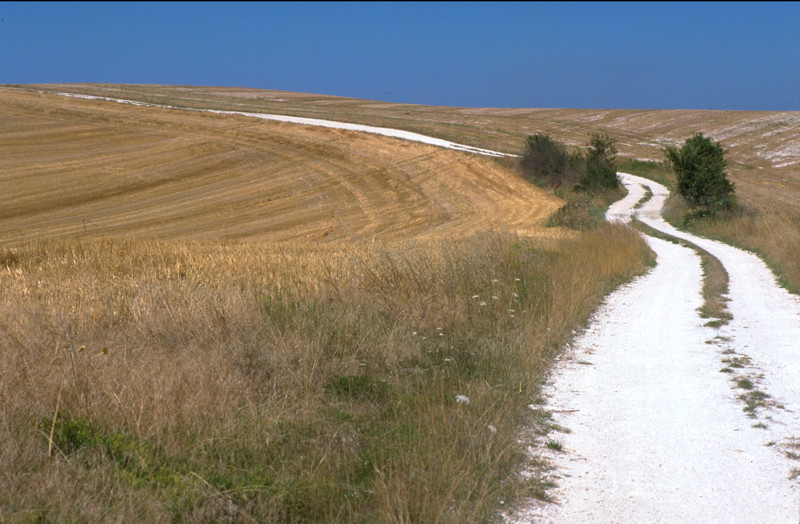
(70, 166)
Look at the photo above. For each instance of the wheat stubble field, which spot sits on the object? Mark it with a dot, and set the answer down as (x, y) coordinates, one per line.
(215, 318)
(763, 151)
(87, 168)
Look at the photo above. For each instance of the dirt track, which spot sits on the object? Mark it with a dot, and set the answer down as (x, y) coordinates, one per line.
(657, 431)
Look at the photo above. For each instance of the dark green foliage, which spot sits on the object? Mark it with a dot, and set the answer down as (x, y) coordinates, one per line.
(548, 161)
(601, 166)
(135, 462)
(700, 168)
(71, 434)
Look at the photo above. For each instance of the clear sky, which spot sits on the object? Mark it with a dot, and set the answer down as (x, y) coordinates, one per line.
(656, 55)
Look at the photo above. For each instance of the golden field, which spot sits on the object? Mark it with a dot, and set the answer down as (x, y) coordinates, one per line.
(217, 318)
(763, 150)
(91, 168)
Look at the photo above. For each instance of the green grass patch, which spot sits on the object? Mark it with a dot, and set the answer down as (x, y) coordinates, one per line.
(554, 445)
(657, 171)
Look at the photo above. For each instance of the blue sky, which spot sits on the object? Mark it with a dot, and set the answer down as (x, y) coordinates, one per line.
(656, 55)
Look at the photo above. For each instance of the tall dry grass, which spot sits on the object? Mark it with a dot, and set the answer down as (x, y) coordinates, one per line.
(147, 381)
(772, 233)
(765, 226)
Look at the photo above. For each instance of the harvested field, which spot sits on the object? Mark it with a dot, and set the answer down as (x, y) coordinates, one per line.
(219, 318)
(331, 316)
(91, 168)
(764, 155)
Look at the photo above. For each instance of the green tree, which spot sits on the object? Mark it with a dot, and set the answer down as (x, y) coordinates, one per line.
(700, 168)
(601, 163)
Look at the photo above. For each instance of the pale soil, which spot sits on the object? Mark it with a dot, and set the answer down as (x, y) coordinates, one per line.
(656, 432)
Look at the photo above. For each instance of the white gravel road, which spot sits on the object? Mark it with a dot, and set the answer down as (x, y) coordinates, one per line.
(656, 432)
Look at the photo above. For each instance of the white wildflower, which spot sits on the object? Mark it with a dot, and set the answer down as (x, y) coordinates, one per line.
(492, 429)
(495, 297)
(462, 399)
(482, 303)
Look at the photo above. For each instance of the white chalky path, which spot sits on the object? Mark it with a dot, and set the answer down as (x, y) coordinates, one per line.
(657, 431)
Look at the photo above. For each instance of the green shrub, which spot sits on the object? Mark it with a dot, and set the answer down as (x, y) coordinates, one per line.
(601, 166)
(700, 166)
(547, 160)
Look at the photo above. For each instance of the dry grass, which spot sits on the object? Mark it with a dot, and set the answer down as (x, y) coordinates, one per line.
(276, 383)
(773, 234)
(215, 318)
(762, 223)
(292, 347)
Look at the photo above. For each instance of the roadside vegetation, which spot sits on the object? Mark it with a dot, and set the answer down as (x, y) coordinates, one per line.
(699, 167)
(586, 179)
(147, 381)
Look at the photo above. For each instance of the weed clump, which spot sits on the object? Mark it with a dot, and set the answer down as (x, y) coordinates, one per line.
(549, 162)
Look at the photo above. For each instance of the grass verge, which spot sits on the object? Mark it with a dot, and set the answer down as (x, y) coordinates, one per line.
(584, 210)
(148, 381)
